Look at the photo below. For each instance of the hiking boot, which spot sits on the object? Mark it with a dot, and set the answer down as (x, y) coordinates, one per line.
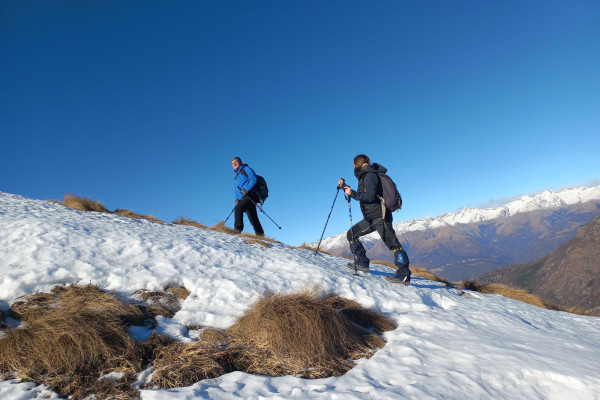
(358, 267)
(404, 280)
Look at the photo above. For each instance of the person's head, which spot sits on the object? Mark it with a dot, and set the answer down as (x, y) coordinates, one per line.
(361, 161)
(236, 162)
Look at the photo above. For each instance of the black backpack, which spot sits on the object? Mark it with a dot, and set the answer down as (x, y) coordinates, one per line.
(261, 189)
(391, 198)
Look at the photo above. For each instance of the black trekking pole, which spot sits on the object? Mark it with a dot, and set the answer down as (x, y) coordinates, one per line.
(326, 222)
(229, 215)
(260, 208)
(352, 233)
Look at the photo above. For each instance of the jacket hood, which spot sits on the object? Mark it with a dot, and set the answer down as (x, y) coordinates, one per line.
(374, 167)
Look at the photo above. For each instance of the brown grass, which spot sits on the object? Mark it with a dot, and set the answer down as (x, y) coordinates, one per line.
(258, 241)
(189, 222)
(130, 214)
(85, 298)
(301, 334)
(503, 290)
(305, 246)
(183, 365)
(72, 337)
(179, 292)
(221, 227)
(83, 203)
(76, 334)
(86, 204)
(164, 302)
(306, 334)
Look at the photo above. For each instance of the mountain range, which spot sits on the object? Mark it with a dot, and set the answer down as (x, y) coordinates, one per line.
(473, 241)
(567, 277)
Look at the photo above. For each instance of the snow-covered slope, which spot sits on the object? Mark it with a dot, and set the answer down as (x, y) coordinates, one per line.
(548, 199)
(446, 345)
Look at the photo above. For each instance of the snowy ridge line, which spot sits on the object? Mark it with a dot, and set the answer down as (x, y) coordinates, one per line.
(548, 199)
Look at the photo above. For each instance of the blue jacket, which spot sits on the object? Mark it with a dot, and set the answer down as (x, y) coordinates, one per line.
(245, 179)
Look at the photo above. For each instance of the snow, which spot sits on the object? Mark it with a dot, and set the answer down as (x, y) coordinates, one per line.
(548, 199)
(447, 345)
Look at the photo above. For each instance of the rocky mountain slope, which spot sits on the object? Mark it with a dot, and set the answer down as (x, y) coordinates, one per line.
(568, 277)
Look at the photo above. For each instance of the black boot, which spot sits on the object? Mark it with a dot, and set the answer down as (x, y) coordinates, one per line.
(361, 262)
(401, 261)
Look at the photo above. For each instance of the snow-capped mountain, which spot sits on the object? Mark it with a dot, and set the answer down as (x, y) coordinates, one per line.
(447, 345)
(472, 241)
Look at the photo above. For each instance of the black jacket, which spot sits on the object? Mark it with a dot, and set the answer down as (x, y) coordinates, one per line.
(368, 192)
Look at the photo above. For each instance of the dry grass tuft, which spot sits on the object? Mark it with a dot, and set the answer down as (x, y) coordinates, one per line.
(162, 302)
(418, 271)
(256, 237)
(86, 204)
(183, 365)
(83, 203)
(179, 292)
(73, 297)
(214, 336)
(73, 337)
(68, 350)
(130, 214)
(305, 246)
(189, 222)
(354, 312)
(304, 334)
(503, 290)
(77, 334)
(220, 227)
(258, 241)
(301, 334)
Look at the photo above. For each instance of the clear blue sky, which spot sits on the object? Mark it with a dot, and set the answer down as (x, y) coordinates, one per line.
(142, 104)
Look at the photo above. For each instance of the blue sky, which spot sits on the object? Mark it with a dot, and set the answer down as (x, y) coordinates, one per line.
(142, 104)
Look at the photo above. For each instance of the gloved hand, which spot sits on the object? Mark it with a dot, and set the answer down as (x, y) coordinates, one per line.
(244, 192)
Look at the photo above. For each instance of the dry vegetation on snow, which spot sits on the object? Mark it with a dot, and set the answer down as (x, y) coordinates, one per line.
(76, 338)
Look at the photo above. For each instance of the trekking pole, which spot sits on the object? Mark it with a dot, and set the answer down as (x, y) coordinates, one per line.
(260, 208)
(352, 233)
(326, 222)
(229, 215)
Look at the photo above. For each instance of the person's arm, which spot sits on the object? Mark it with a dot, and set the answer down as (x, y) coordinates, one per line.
(250, 181)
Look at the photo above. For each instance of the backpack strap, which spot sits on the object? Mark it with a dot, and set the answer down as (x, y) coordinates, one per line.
(382, 206)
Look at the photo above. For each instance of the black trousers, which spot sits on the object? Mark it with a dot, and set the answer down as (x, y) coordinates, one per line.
(364, 227)
(245, 205)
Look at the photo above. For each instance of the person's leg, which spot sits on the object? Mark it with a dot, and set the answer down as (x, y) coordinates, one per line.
(253, 218)
(360, 255)
(240, 208)
(388, 235)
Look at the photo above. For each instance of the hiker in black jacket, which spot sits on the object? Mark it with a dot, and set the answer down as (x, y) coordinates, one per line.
(376, 218)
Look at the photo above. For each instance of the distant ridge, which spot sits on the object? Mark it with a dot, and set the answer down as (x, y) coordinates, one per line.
(568, 277)
(468, 243)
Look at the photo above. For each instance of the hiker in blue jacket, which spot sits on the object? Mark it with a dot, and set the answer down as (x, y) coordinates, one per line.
(245, 198)
(369, 194)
